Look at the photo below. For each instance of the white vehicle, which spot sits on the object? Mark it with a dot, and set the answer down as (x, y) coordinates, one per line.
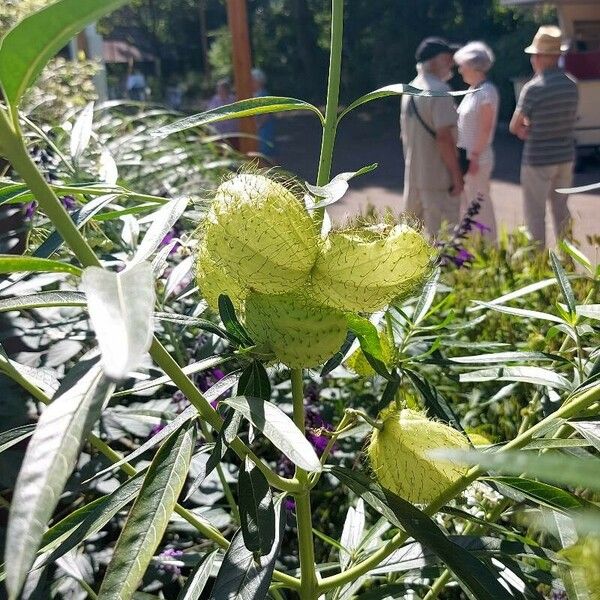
(580, 23)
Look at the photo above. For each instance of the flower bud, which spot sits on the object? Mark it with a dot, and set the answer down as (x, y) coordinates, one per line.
(298, 333)
(364, 269)
(261, 235)
(399, 455)
(213, 282)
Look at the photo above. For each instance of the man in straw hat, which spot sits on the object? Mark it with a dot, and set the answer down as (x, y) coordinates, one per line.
(545, 119)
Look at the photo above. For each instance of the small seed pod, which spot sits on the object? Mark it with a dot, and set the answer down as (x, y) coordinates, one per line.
(213, 282)
(298, 333)
(399, 455)
(261, 235)
(365, 269)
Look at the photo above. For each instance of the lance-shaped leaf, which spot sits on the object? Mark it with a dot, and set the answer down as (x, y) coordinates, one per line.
(241, 576)
(472, 573)
(535, 375)
(254, 381)
(42, 300)
(121, 307)
(50, 458)
(563, 282)
(149, 516)
(397, 89)
(29, 264)
(279, 429)
(162, 221)
(30, 44)
(257, 515)
(335, 189)
(82, 131)
(14, 436)
(198, 578)
(244, 108)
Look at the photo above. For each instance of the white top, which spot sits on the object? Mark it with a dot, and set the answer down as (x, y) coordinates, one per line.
(468, 119)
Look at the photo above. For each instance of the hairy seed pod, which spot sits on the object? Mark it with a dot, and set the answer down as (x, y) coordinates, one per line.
(298, 333)
(399, 455)
(261, 235)
(213, 281)
(364, 269)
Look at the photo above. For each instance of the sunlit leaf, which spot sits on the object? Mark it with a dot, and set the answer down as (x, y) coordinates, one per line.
(49, 460)
(18, 264)
(535, 375)
(14, 436)
(149, 516)
(198, 578)
(82, 132)
(121, 307)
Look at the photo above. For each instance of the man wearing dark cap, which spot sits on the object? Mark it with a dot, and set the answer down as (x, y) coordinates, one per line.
(433, 180)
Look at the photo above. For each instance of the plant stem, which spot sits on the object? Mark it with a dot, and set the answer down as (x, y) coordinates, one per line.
(306, 550)
(333, 92)
(205, 529)
(17, 154)
(571, 407)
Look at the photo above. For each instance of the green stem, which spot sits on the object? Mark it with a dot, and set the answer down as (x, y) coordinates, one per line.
(205, 529)
(569, 409)
(333, 92)
(308, 575)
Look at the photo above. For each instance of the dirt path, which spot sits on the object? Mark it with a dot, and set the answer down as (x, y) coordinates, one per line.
(373, 136)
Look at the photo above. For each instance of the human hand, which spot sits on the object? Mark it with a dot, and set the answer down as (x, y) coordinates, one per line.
(473, 165)
(458, 186)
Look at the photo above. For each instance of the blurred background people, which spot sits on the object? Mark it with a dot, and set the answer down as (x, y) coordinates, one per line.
(477, 120)
(222, 96)
(545, 120)
(433, 181)
(135, 85)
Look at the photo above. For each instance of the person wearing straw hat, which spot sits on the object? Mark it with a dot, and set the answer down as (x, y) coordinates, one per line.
(545, 120)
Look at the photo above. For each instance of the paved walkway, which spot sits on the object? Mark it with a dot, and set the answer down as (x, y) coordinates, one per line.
(373, 136)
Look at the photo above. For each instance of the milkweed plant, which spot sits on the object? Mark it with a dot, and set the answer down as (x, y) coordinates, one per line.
(294, 300)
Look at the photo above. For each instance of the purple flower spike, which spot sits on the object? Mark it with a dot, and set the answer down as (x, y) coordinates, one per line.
(482, 227)
(69, 202)
(156, 429)
(463, 256)
(30, 209)
(289, 504)
(170, 554)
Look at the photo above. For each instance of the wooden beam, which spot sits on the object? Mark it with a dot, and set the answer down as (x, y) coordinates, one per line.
(237, 17)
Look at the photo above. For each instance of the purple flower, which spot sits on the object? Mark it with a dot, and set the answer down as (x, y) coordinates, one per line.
(482, 227)
(169, 556)
(30, 209)
(463, 256)
(68, 202)
(156, 429)
(289, 504)
(173, 233)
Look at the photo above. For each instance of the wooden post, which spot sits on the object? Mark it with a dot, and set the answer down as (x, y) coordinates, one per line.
(237, 16)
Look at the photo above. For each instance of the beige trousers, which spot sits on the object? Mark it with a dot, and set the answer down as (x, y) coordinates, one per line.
(478, 185)
(433, 207)
(539, 185)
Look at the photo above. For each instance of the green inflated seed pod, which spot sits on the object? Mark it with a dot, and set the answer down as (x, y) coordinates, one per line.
(213, 281)
(261, 235)
(298, 333)
(364, 269)
(399, 455)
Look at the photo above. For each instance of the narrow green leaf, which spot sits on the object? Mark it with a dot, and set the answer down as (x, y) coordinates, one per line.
(279, 429)
(231, 322)
(434, 400)
(545, 494)
(471, 572)
(43, 300)
(82, 132)
(558, 469)
(577, 255)
(149, 516)
(397, 89)
(14, 436)
(163, 219)
(50, 458)
(591, 311)
(556, 443)
(254, 381)
(370, 344)
(563, 282)
(535, 375)
(30, 44)
(188, 321)
(502, 357)
(257, 515)
(87, 520)
(389, 392)
(29, 264)
(335, 189)
(521, 312)
(590, 430)
(426, 298)
(352, 532)
(241, 576)
(337, 359)
(198, 578)
(244, 108)
(121, 307)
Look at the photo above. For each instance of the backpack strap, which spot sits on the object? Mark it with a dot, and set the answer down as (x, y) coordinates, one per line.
(413, 105)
